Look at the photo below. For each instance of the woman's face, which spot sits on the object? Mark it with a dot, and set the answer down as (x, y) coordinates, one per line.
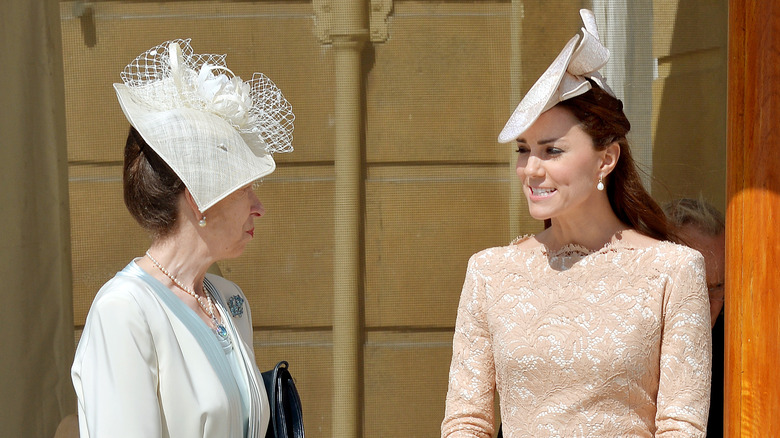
(558, 166)
(230, 222)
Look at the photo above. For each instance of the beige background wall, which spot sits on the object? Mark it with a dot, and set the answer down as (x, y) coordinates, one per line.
(437, 186)
(689, 154)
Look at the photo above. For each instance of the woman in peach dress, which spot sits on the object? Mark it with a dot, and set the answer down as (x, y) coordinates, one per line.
(598, 325)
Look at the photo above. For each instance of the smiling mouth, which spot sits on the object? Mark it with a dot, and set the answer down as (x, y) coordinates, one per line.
(541, 192)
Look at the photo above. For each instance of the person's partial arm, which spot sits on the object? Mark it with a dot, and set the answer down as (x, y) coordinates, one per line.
(469, 406)
(686, 353)
(118, 372)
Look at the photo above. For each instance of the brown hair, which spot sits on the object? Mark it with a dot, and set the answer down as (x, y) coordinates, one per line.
(151, 188)
(601, 116)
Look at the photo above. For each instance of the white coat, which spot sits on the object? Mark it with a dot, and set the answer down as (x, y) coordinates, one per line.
(148, 366)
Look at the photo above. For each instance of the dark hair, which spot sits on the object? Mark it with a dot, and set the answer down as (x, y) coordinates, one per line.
(151, 188)
(601, 116)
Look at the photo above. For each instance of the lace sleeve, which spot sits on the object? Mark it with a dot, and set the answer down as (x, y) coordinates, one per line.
(686, 353)
(469, 406)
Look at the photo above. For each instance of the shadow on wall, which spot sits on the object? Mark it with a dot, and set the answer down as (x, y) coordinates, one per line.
(689, 140)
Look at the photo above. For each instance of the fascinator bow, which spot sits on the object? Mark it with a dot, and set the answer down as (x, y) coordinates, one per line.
(568, 76)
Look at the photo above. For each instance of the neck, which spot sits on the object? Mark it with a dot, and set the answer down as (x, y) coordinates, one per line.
(186, 258)
(592, 230)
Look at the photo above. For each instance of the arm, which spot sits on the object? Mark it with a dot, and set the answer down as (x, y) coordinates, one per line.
(686, 353)
(115, 374)
(469, 406)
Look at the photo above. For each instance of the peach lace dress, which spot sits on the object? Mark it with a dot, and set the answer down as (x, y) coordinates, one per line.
(607, 343)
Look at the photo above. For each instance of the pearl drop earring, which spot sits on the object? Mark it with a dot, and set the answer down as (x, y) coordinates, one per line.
(600, 185)
(202, 221)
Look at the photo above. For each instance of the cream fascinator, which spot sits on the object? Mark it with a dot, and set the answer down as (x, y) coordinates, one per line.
(566, 77)
(216, 132)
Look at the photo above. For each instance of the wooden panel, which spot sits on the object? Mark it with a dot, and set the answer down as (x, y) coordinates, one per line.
(688, 26)
(752, 392)
(689, 101)
(289, 266)
(543, 27)
(422, 224)
(689, 157)
(309, 355)
(273, 38)
(406, 383)
(104, 237)
(438, 88)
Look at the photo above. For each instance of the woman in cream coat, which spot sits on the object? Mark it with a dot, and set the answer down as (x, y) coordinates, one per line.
(167, 348)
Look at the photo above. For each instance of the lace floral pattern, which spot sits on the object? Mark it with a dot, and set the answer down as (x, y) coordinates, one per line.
(578, 343)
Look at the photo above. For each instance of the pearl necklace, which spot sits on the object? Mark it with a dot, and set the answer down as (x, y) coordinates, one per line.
(220, 329)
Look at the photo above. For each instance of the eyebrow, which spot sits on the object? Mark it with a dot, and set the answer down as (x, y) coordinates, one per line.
(545, 141)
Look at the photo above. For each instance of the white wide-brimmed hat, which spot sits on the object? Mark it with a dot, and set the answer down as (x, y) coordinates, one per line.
(215, 131)
(565, 78)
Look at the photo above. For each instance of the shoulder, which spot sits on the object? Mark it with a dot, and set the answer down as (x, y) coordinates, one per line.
(124, 291)
(678, 263)
(663, 249)
(523, 245)
(679, 253)
(125, 307)
(526, 241)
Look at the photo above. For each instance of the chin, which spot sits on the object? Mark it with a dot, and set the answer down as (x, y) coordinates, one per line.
(235, 253)
(539, 215)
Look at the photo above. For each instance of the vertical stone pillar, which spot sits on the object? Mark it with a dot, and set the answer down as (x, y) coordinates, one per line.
(349, 33)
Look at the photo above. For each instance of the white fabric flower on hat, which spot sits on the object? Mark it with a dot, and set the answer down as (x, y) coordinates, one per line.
(216, 131)
(228, 97)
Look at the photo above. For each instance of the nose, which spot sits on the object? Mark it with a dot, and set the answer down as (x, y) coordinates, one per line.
(257, 208)
(529, 167)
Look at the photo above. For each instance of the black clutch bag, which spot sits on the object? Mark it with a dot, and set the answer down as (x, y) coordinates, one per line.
(286, 415)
